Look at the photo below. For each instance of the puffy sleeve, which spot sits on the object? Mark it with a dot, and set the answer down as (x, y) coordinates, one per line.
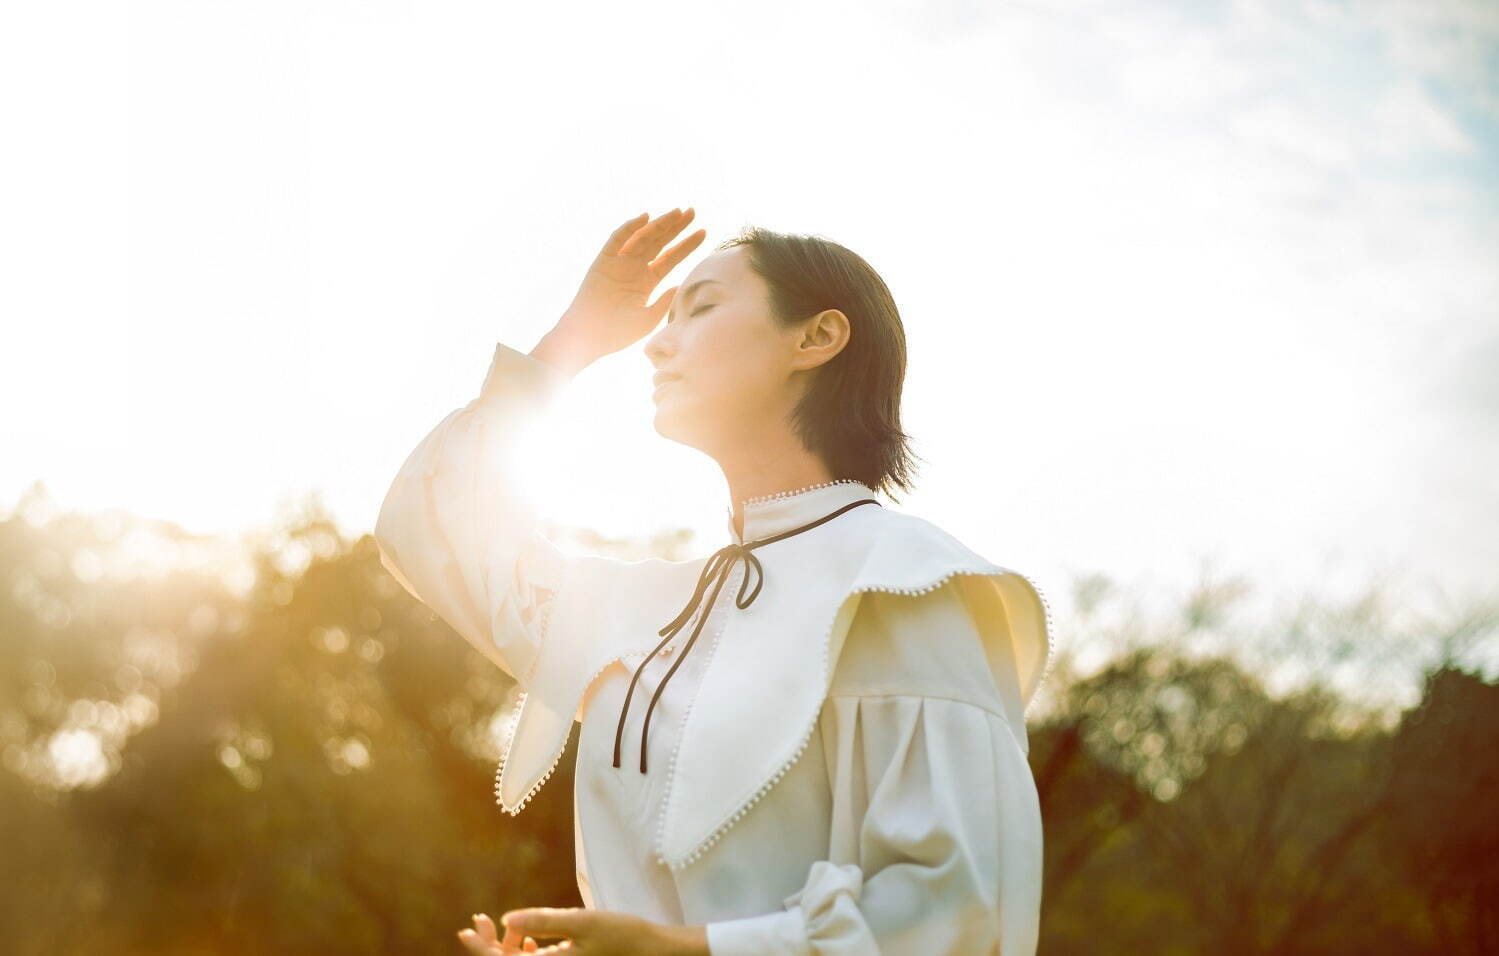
(936, 839)
(458, 531)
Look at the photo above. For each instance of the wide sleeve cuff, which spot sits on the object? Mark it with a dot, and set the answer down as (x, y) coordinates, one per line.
(457, 528)
(781, 932)
(825, 909)
(514, 373)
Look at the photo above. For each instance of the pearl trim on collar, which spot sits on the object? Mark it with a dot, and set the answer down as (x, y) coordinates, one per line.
(773, 496)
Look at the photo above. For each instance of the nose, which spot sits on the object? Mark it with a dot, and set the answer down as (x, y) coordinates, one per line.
(656, 351)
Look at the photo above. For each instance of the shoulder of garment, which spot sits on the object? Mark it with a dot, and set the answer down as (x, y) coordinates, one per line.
(931, 645)
(932, 600)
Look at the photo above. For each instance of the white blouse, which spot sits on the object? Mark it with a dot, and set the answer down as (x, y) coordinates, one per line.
(908, 823)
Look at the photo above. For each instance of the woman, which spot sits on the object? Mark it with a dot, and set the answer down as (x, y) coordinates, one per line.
(839, 764)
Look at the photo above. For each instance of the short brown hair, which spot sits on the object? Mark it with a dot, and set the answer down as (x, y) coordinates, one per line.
(850, 415)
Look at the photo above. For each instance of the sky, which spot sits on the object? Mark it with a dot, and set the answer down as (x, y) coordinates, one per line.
(1189, 288)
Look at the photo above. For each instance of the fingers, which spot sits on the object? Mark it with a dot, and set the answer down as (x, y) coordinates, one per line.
(649, 240)
(552, 921)
(669, 260)
(484, 939)
(475, 944)
(515, 942)
(625, 231)
(485, 927)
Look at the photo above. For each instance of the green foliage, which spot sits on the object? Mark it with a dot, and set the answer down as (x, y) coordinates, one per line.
(316, 777)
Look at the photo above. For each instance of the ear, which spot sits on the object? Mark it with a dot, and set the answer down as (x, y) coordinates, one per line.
(823, 336)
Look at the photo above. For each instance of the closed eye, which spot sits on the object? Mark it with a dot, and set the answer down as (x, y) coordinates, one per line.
(701, 308)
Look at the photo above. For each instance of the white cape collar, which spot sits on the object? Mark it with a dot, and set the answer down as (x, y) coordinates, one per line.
(767, 680)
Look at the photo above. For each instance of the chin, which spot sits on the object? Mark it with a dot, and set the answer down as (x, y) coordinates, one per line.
(665, 423)
(670, 424)
(667, 426)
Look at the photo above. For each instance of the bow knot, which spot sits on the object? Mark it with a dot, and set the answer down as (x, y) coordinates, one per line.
(716, 570)
(720, 565)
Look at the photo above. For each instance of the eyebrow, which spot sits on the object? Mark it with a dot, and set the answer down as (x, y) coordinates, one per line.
(671, 313)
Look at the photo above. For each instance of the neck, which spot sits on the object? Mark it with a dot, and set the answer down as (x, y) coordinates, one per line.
(766, 479)
(767, 459)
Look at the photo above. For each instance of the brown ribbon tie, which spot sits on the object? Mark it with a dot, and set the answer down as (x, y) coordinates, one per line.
(718, 566)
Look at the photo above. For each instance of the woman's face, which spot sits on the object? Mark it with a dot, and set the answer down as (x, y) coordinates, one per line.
(738, 369)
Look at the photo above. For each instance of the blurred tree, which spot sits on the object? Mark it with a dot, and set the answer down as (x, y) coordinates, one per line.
(1443, 825)
(1202, 815)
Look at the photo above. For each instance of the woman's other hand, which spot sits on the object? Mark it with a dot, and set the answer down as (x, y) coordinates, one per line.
(484, 941)
(585, 932)
(610, 311)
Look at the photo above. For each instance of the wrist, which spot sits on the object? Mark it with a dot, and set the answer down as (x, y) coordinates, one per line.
(562, 351)
(684, 940)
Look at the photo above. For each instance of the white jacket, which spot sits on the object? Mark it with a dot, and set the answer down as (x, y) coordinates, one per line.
(839, 766)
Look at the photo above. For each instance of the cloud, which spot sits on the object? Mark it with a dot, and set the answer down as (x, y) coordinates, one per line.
(1453, 42)
(1407, 120)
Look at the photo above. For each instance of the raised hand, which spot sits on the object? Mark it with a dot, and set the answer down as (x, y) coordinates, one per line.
(610, 311)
